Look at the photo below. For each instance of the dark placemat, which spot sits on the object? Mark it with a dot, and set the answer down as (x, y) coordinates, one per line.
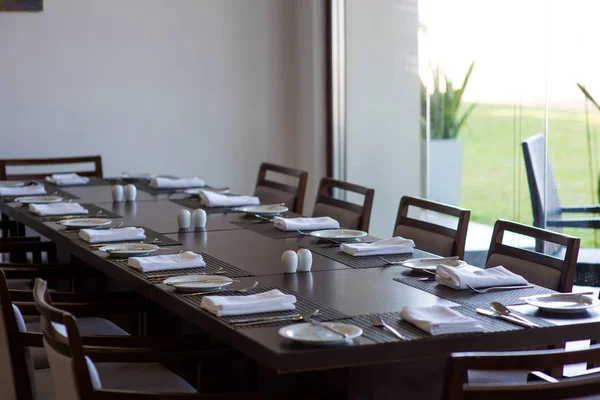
(50, 191)
(94, 212)
(303, 305)
(152, 237)
(469, 297)
(333, 251)
(265, 228)
(411, 332)
(212, 264)
(194, 203)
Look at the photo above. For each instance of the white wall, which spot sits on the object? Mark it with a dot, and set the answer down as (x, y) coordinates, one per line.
(170, 86)
(383, 137)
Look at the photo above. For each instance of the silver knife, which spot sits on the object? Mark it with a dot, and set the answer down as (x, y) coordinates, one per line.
(260, 320)
(514, 320)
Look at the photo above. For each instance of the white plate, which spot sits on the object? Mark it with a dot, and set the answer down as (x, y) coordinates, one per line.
(82, 223)
(574, 303)
(338, 234)
(129, 249)
(313, 334)
(430, 264)
(265, 209)
(39, 199)
(196, 191)
(198, 283)
(12, 183)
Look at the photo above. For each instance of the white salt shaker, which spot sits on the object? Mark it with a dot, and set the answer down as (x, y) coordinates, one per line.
(305, 260)
(184, 219)
(199, 218)
(117, 193)
(289, 261)
(130, 192)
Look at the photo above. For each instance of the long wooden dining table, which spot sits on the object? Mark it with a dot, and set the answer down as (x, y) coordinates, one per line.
(345, 289)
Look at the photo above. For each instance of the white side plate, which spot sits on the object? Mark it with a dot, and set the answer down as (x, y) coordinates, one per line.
(265, 209)
(431, 265)
(314, 334)
(198, 283)
(82, 223)
(338, 234)
(39, 199)
(12, 183)
(574, 303)
(124, 250)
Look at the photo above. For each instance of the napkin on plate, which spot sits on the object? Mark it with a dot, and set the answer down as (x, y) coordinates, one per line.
(439, 320)
(176, 183)
(29, 190)
(459, 278)
(273, 300)
(112, 235)
(68, 179)
(185, 260)
(305, 224)
(212, 199)
(395, 245)
(57, 209)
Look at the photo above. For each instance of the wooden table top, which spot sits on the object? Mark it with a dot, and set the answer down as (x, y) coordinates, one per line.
(331, 283)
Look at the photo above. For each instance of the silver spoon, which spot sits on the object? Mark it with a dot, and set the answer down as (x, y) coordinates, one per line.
(503, 310)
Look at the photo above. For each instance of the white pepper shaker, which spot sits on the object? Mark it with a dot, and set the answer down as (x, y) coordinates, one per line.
(199, 218)
(305, 260)
(289, 261)
(117, 193)
(184, 219)
(130, 192)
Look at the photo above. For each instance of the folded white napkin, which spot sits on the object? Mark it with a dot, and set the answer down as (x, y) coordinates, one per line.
(29, 190)
(459, 278)
(306, 224)
(439, 320)
(273, 300)
(185, 260)
(68, 179)
(176, 183)
(57, 209)
(395, 245)
(212, 199)
(112, 235)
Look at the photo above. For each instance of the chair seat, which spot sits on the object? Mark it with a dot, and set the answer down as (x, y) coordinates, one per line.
(143, 377)
(87, 326)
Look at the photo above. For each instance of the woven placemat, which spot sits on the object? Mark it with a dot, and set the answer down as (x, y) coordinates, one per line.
(194, 203)
(94, 211)
(411, 332)
(469, 297)
(212, 264)
(152, 237)
(266, 229)
(50, 191)
(303, 305)
(333, 251)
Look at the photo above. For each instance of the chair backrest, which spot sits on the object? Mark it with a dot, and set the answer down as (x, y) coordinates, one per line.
(16, 369)
(21, 251)
(41, 162)
(457, 386)
(272, 192)
(538, 268)
(434, 238)
(349, 215)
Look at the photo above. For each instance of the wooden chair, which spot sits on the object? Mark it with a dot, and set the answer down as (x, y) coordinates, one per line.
(429, 236)
(548, 213)
(272, 192)
(546, 388)
(77, 377)
(41, 162)
(542, 269)
(349, 215)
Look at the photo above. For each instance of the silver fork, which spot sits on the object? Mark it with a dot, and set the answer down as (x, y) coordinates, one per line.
(242, 290)
(485, 290)
(377, 322)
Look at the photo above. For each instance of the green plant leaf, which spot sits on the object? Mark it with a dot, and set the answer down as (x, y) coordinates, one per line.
(588, 95)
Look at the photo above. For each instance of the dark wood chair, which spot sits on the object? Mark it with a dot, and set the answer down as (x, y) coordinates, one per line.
(39, 163)
(349, 215)
(77, 377)
(429, 236)
(273, 192)
(544, 388)
(538, 268)
(549, 214)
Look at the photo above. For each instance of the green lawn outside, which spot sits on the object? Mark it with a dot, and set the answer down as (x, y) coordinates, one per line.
(493, 162)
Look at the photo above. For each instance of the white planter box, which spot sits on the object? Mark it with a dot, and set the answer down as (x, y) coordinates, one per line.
(445, 170)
